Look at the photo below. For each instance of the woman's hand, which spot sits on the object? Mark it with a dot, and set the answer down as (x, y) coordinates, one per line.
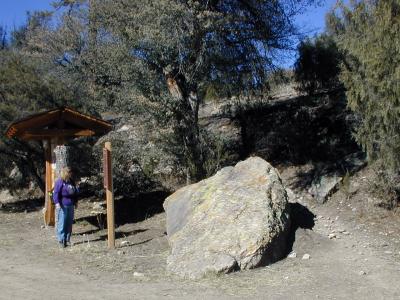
(58, 205)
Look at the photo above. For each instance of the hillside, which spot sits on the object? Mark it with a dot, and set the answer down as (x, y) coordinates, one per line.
(352, 243)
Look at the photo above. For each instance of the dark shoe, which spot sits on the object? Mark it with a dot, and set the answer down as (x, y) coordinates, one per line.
(65, 244)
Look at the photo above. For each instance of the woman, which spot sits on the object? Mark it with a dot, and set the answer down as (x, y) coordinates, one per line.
(65, 197)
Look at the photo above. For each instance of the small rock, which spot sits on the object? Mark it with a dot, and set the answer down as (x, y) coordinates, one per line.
(306, 256)
(354, 209)
(42, 227)
(332, 236)
(124, 243)
(388, 252)
(292, 255)
(286, 277)
(98, 206)
(362, 273)
(138, 274)
(346, 232)
(337, 218)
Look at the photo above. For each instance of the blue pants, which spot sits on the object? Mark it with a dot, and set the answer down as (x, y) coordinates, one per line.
(64, 219)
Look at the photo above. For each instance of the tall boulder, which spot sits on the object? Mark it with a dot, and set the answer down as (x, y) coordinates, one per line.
(238, 219)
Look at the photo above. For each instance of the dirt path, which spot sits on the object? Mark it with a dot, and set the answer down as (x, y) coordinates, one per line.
(361, 262)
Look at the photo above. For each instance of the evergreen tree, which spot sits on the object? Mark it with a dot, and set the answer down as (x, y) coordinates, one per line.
(27, 86)
(164, 55)
(318, 64)
(368, 34)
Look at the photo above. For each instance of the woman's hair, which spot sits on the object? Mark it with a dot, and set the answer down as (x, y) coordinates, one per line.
(65, 173)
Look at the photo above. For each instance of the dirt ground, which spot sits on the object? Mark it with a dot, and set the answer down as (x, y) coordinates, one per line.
(360, 260)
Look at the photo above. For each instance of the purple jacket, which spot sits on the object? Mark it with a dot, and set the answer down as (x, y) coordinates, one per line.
(65, 193)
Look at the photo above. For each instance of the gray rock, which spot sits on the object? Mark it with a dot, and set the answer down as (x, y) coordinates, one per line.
(6, 196)
(329, 179)
(291, 195)
(237, 219)
(324, 186)
(362, 273)
(17, 175)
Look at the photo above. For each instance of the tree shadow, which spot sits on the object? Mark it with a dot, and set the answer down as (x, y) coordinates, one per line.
(304, 179)
(130, 210)
(26, 205)
(103, 237)
(142, 207)
(298, 130)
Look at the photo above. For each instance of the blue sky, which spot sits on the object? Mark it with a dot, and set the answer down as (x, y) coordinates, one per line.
(313, 20)
(13, 13)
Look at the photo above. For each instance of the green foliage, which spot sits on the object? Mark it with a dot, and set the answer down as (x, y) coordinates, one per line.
(165, 56)
(318, 64)
(154, 57)
(385, 185)
(25, 88)
(368, 34)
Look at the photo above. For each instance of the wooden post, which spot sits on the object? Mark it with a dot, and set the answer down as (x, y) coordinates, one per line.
(108, 185)
(49, 215)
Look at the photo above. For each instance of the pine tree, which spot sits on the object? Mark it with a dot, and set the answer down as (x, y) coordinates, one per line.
(318, 64)
(166, 54)
(368, 33)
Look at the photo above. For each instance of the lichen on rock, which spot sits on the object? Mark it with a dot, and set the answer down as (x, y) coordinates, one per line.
(238, 219)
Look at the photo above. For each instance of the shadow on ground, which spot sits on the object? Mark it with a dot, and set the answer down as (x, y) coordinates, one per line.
(130, 210)
(118, 235)
(27, 205)
(301, 217)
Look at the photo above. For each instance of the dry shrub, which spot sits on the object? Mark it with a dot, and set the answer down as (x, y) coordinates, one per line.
(385, 186)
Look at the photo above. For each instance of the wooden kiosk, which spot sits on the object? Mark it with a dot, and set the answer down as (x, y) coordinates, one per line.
(54, 128)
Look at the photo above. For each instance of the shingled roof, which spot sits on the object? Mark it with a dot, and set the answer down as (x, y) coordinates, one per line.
(61, 122)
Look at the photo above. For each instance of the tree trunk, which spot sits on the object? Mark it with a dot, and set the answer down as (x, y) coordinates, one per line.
(63, 159)
(187, 126)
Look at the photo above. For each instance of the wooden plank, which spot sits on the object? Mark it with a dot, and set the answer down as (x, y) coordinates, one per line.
(49, 215)
(80, 115)
(107, 168)
(110, 200)
(87, 122)
(58, 116)
(42, 134)
(36, 121)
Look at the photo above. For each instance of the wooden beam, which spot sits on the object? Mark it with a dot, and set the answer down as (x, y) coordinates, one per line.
(49, 215)
(35, 121)
(86, 122)
(42, 134)
(107, 167)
